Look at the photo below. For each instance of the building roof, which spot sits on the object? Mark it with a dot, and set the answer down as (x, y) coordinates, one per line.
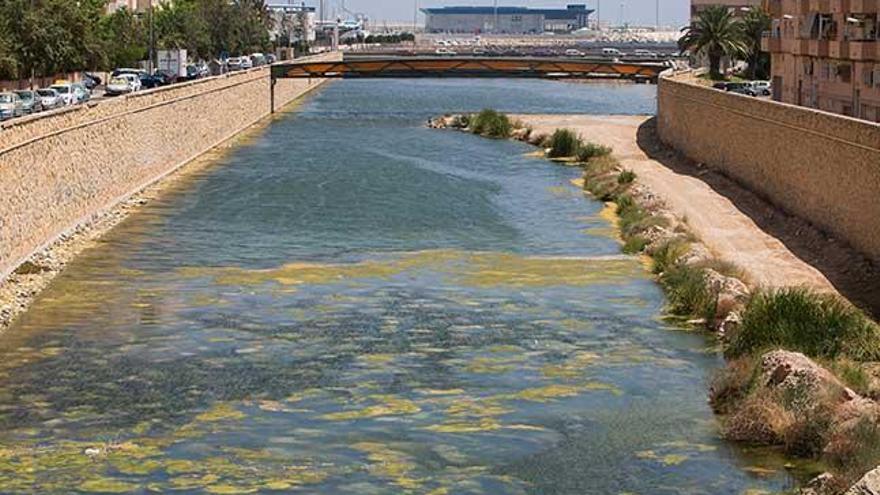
(568, 13)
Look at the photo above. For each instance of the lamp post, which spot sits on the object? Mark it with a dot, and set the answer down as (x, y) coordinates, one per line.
(152, 40)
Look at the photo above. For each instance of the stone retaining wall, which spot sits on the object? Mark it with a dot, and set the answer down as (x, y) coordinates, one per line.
(822, 167)
(61, 169)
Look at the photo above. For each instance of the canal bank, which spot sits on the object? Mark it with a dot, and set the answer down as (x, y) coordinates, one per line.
(69, 176)
(769, 335)
(386, 309)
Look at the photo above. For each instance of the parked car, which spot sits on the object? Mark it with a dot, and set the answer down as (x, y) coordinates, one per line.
(233, 63)
(612, 52)
(246, 63)
(257, 59)
(642, 53)
(571, 52)
(271, 59)
(10, 106)
(761, 88)
(30, 101)
(81, 92)
(65, 93)
(49, 98)
(445, 51)
(123, 84)
(90, 81)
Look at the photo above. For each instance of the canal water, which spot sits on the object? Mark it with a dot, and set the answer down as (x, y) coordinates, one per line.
(352, 303)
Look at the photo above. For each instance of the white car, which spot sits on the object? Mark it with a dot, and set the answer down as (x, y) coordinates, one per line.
(66, 93)
(445, 51)
(571, 52)
(123, 84)
(246, 63)
(50, 98)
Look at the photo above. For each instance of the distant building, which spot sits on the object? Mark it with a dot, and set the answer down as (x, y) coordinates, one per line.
(506, 20)
(736, 6)
(301, 16)
(133, 5)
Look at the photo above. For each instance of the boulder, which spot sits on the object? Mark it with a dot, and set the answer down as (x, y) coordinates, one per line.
(697, 254)
(801, 377)
(868, 485)
(824, 484)
(731, 293)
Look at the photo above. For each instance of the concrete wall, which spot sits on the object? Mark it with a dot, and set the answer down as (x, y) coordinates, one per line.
(60, 169)
(822, 167)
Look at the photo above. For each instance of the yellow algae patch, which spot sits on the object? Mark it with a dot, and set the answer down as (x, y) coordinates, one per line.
(390, 405)
(488, 365)
(377, 358)
(451, 391)
(561, 191)
(229, 489)
(390, 464)
(476, 426)
(220, 412)
(544, 394)
(305, 394)
(496, 269)
(578, 183)
(107, 485)
(476, 408)
(760, 471)
(571, 368)
(475, 269)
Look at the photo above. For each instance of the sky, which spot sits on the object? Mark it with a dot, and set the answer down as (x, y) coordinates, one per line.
(672, 12)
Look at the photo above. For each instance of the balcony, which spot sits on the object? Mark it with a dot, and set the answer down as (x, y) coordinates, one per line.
(838, 49)
(774, 8)
(863, 50)
(866, 6)
(818, 48)
(772, 45)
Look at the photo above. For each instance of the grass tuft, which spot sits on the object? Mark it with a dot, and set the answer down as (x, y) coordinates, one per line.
(669, 254)
(689, 293)
(588, 151)
(492, 124)
(563, 143)
(626, 177)
(796, 319)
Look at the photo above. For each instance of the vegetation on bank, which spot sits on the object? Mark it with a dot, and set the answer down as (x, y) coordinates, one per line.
(52, 36)
(716, 32)
(823, 327)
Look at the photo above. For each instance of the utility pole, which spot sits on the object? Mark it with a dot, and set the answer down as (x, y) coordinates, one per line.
(598, 15)
(152, 41)
(415, 18)
(658, 15)
(495, 22)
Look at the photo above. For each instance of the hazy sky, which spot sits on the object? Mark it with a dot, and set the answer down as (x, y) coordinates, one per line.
(674, 12)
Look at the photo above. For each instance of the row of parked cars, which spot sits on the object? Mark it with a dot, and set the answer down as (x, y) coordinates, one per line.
(748, 88)
(249, 61)
(62, 93)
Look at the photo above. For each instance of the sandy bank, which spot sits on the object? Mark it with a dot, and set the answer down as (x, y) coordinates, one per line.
(773, 248)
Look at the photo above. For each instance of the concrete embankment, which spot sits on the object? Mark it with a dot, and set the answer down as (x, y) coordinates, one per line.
(68, 176)
(821, 167)
(60, 170)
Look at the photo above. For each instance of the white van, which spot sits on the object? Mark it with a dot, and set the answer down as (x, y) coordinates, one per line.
(571, 52)
(612, 52)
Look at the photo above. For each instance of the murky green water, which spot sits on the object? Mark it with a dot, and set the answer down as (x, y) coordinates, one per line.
(352, 303)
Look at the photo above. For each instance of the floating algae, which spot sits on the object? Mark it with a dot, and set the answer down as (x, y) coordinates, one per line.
(389, 405)
(220, 412)
(393, 465)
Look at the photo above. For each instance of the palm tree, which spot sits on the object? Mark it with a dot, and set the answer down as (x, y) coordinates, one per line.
(754, 24)
(715, 33)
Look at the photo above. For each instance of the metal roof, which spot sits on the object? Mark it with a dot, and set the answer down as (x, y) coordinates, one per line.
(569, 13)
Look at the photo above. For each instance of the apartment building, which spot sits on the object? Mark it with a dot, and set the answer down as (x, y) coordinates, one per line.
(824, 55)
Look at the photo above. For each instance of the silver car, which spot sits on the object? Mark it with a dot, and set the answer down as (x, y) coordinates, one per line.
(10, 106)
(30, 101)
(50, 98)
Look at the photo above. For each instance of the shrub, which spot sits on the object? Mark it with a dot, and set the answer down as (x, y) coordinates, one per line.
(668, 254)
(808, 431)
(796, 319)
(626, 177)
(563, 143)
(852, 374)
(731, 384)
(635, 244)
(588, 151)
(855, 450)
(490, 123)
(688, 292)
(602, 165)
(759, 420)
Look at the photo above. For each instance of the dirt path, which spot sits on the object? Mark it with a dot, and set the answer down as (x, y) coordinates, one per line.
(716, 217)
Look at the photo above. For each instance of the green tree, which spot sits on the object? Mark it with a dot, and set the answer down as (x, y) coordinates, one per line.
(124, 39)
(180, 25)
(754, 24)
(715, 33)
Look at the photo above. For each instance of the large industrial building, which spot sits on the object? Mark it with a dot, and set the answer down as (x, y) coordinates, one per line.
(505, 20)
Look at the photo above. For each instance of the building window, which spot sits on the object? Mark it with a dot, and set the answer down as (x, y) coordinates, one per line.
(844, 72)
(516, 18)
(861, 27)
